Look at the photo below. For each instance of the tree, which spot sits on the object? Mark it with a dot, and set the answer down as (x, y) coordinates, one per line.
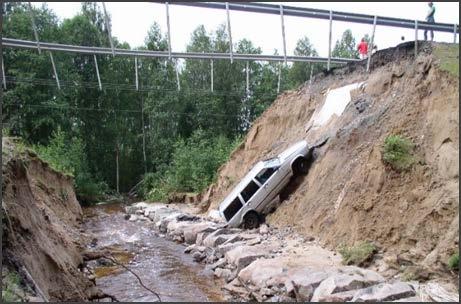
(300, 72)
(346, 47)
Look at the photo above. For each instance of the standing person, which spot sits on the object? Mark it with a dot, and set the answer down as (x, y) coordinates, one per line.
(363, 49)
(430, 19)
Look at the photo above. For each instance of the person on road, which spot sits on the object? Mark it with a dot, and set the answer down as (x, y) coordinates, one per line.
(430, 19)
(363, 49)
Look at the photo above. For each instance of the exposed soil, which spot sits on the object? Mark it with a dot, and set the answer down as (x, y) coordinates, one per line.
(349, 194)
(42, 241)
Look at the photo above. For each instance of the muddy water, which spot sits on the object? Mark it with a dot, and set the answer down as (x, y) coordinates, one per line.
(161, 264)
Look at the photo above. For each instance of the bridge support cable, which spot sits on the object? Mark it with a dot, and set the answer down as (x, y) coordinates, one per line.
(416, 38)
(55, 72)
(248, 79)
(109, 31)
(211, 72)
(168, 29)
(455, 30)
(97, 72)
(3, 74)
(34, 27)
(230, 33)
(370, 49)
(136, 72)
(177, 76)
(279, 77)
(283, 34)
(329, 40)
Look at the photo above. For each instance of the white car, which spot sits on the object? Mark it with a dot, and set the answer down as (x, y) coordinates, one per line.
(258, 192)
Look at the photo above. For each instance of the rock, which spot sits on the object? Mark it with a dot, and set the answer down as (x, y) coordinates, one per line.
(211, 239)
(242, 256)
(220, 263)
(178, 238)
(126, 217)
(225, 247)
(187, 217)
(190, 248)
(191, 232)
(198, 256)
(349, 279)
(200, 237)
(133, 218)
(304, 293)
(223, 273)
(384, 292)
(263, 229)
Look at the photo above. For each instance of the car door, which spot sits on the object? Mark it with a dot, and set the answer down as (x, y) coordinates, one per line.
(269, 180)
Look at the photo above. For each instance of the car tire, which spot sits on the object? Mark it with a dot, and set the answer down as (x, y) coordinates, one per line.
(300, 166)
(251, 220)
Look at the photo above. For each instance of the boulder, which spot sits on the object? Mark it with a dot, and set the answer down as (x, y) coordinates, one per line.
(242, 256)
(384, 292)
(263, 229)
(223, 273)
(198, 256)
(191, 231)
(219, 264)
(347, 278)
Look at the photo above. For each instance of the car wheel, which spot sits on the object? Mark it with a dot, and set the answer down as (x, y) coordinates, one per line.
(301, 166)
(251, 220)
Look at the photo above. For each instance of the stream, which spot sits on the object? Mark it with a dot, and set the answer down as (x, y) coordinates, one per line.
(160, 263)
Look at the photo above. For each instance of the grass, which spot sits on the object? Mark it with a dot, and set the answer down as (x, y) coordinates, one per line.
(453, 262)
(360, 254)
(398, 152)
(448, 54)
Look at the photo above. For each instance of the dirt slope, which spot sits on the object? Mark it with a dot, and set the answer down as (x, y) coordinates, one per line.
(42, 240)
(349, 193)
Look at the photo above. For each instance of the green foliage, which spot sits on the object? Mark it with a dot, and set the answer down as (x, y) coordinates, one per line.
(193, 167)
(359, 254)
(10, 287)
(68, 156)
(398, 152)
(346, 47)
(453, 261)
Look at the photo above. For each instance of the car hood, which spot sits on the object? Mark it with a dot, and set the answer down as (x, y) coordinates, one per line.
(300, 147)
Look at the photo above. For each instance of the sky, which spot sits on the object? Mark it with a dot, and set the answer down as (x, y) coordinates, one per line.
(131, 21)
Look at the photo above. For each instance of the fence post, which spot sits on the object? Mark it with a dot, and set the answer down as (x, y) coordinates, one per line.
(455, 27)
(329, 40)
(230, 33)
(416, 38)
(370, 49)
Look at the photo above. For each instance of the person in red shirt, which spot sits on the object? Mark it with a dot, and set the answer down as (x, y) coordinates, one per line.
(363, 49)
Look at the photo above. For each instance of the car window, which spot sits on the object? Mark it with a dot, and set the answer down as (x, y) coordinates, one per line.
(264, 174)
(249, 191)
(232, 209)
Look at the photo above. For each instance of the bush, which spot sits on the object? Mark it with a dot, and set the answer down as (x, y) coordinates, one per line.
(398, 152)
(360, 254)
(68, 156)
(194, 164)
(453, 262)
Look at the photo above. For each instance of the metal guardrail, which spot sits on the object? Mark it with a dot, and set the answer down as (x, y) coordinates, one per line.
(323, 14)
(17, 43)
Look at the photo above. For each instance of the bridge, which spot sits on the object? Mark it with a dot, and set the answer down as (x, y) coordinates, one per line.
(251, 7)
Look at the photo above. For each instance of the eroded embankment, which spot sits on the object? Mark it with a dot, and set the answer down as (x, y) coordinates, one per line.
(350, 194)
(41, 239)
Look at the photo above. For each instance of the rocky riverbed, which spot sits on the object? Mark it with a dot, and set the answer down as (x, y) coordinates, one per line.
(269, 264)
